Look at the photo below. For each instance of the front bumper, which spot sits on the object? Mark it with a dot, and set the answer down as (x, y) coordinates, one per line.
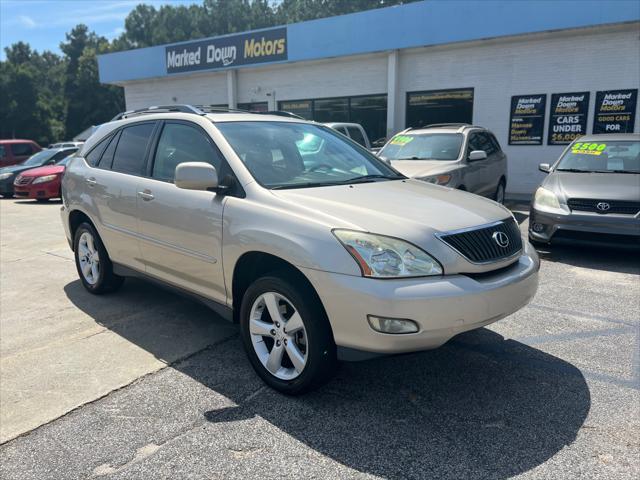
(39, 190)
(584, 228)
(441, 306)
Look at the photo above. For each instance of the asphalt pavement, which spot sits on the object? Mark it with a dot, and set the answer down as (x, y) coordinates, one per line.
(552, 391)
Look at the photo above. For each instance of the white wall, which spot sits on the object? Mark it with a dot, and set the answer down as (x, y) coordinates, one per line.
(200, 89)
(603, 58)
(336, 77)
(582, 60)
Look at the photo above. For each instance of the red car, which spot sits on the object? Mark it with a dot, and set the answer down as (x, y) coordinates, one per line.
(15, 151)
(40, 183)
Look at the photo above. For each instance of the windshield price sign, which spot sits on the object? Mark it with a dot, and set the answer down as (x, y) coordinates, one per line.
(582, 148)
(568, 117)
(615, 111)
(526, 123)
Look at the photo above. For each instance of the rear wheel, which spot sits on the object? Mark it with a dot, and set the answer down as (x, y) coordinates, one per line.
(92, 262)
(287, 335)
(42, 200)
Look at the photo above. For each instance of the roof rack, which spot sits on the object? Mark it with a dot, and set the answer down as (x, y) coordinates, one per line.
(444, 125)
(158, 109)
(195, 109)
(282, 113)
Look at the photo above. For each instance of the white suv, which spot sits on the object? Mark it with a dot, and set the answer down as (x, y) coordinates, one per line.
(315, 246)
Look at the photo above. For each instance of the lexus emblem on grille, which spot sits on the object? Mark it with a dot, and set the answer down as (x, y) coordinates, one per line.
(603, 206)
(501, 239)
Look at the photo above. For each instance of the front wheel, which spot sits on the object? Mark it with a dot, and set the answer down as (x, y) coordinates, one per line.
(499, 195)
(287, 335)
(92, 261)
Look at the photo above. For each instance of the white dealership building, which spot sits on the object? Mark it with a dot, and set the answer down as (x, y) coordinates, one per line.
(537, 73)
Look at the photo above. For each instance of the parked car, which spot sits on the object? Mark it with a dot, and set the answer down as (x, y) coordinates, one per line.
(44, 157)
(42, 183)
(459, 156)
(591, 194)
(352, 130)
(16, 151)
(318, 256)
(66, 144)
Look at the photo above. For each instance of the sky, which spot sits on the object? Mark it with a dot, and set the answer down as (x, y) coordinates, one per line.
(43, 23)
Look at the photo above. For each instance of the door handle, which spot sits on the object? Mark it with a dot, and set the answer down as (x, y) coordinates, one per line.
(91, 181)
(146, 195)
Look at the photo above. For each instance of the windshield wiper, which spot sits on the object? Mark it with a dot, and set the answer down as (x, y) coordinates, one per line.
(366, 178)
(624, 171)
(410, 158)
(576, 170)
(305, 185)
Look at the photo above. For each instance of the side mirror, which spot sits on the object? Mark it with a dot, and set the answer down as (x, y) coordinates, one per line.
(196, 176)
(544, 167)
(477, 155)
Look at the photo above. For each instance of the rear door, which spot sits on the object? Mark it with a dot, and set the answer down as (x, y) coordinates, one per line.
(114, 189)
(181, 230)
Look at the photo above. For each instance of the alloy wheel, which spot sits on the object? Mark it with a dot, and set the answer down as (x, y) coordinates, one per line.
(278, 335)
(89, 258)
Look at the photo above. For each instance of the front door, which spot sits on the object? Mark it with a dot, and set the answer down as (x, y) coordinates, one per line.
(181, 230)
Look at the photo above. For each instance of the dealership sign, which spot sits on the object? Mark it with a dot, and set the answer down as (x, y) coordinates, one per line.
(568, 117)
(229, 51)
(526, 122)
(615, 111)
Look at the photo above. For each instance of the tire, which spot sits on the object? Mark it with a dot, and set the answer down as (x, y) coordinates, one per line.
(89, 250)
(42, 200)
(261, 335)
(499, 195)
(7, 195)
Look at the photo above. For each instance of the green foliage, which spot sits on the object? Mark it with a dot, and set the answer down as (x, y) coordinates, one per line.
(48, 97)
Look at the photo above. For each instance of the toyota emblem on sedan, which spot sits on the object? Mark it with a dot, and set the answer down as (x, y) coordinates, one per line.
(501, 239)
(603, 206)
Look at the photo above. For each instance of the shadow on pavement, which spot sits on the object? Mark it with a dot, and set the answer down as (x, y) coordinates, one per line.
(607, 259)
(480, 406)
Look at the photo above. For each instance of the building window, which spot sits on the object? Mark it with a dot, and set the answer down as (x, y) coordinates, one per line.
(304, 108)
(370, 111)
(254, 106)
(439, 106)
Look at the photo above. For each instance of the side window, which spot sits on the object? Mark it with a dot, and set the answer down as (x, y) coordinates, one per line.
(131, 149)
(182, 143)
(487, 145)
(495, 142)
(2, 152)
(94, 155)
(20, 149)
(107, 158)
(474, 143)
(63, 154)
(356, 135)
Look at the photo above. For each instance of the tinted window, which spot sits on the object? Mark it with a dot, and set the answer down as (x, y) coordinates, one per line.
(356, 135)
(181, 143)
(64, 154)
(2, 151)
(481, 141)
(131, 149)
(19, 149)
(107, 157)
(94, 155)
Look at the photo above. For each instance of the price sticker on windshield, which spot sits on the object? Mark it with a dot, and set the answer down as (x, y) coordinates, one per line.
(401, 140)
(586, 148)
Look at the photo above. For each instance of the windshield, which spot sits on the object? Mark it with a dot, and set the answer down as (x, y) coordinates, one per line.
(295, 155)
(39, 158)
(605, 156)
(431, 146)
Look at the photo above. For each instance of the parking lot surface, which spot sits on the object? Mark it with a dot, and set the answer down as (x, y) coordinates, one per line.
(146, 384)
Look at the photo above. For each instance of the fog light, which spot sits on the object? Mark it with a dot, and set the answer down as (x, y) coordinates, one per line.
(538, 227)
(392, 325)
